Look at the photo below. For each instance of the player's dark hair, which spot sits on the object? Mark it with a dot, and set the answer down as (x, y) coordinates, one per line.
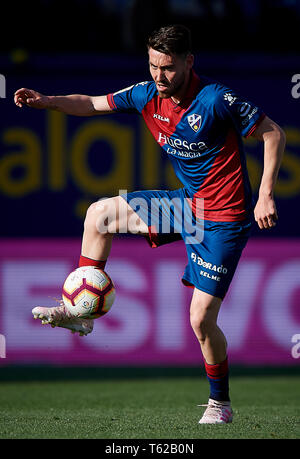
(172, 39)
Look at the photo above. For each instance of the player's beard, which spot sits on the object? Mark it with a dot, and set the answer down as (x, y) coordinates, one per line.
(171, 88)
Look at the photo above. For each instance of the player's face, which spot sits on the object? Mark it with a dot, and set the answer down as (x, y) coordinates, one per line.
(170, 73)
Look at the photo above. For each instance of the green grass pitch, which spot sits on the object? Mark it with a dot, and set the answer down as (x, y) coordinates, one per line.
(147, 408)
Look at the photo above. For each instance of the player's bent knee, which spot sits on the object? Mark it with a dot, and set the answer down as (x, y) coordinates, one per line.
(112, 215)
(100, 215)
(90, 216)
(202, 324)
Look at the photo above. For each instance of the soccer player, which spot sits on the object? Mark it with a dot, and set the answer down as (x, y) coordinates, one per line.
(199, 123)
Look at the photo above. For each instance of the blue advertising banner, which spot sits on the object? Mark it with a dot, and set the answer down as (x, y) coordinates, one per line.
(53, 166)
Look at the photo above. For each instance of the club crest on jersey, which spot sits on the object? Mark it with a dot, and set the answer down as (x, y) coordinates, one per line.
(195, 121)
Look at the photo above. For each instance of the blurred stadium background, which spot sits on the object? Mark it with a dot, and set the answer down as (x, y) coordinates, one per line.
(53, 166)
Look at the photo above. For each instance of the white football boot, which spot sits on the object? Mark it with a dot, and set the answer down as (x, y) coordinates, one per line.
(217, 413)
(59, 316)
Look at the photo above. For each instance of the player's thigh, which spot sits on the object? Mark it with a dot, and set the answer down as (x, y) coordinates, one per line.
(114, 215)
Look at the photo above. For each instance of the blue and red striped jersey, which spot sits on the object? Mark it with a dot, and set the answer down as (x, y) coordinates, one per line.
(203, 139)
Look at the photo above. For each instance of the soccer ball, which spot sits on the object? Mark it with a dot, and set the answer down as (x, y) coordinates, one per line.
(88, 292)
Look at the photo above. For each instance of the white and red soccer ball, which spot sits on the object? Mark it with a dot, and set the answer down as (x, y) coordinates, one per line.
(88, 292)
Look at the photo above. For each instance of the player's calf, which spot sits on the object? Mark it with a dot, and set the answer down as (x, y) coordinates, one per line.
(204, 313)
(203, 318)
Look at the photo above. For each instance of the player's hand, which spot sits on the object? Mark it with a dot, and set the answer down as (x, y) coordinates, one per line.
(265, 212)
(31, 98)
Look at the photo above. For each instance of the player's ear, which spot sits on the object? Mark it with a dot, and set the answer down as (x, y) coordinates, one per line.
(190, 61)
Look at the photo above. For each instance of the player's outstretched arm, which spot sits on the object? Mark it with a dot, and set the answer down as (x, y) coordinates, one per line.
(274, 143)
(73, 104)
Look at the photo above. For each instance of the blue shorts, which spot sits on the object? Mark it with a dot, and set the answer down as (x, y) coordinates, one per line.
(213, 248)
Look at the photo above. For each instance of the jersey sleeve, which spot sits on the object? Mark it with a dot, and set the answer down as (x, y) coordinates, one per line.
(244, 114)
(131, 99)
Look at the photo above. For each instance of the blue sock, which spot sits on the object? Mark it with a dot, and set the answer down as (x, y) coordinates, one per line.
(218, 377)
